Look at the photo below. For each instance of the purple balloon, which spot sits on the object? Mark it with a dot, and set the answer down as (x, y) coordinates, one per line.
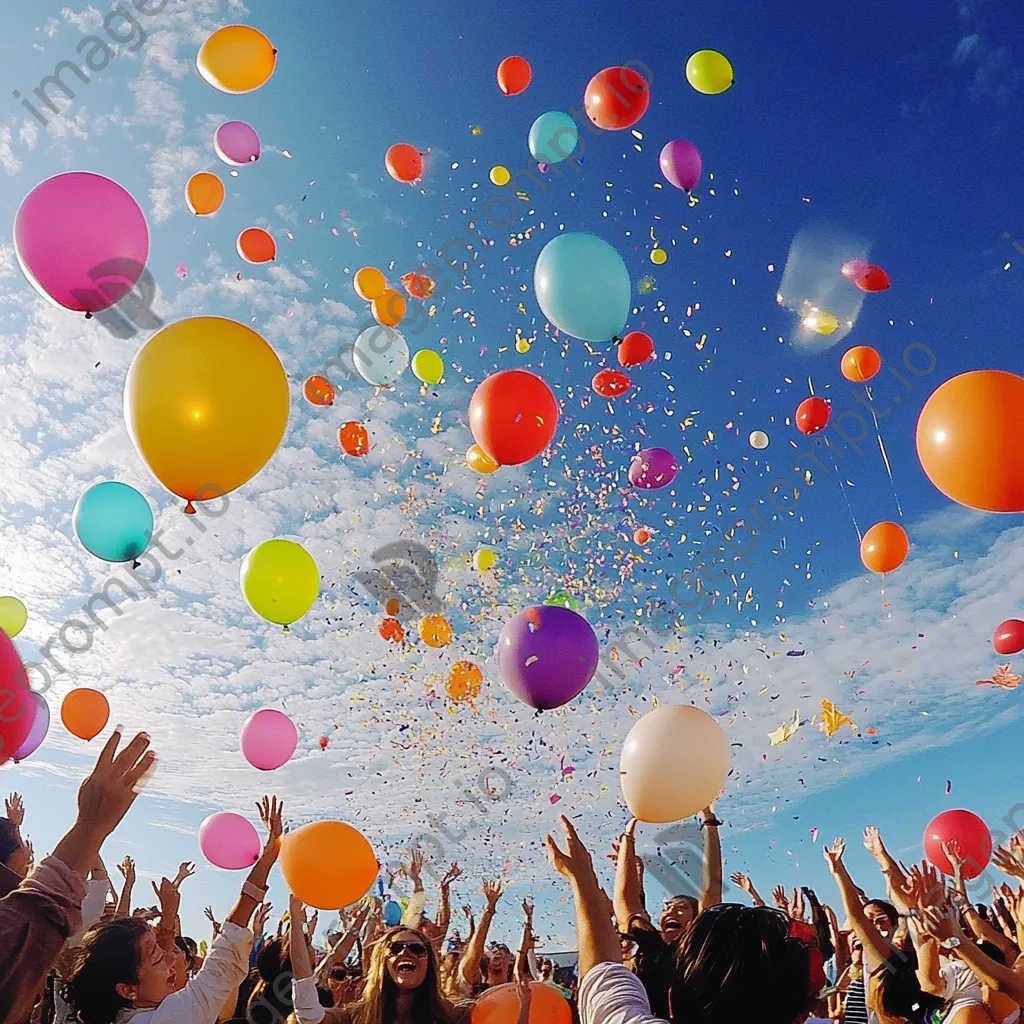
(269, 739)
(546, 655)
(681, 163)
(237, 143)
(82, 241)
(653, 468)
(229, 841)
(40, 727)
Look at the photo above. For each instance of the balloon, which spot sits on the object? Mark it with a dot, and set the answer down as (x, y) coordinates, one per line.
(388, 309)
(681, 164)
(652, 468)
(391, 629)
(860, 363)
(709, 72)
(479, 461)
(269, 739)
(369, 283)
(499, 175)
(610, 383)
(229, 841)
(255, 245)
(1009, 637)
(873, 279)
(464, 681)
(635, 348)
(969, 440)
(404, 163)
(500, 1005)
(40, 727)
(380, 355)
(393, 606)
(514, 75)
(204, 194)
(81, 240)
(206, 404)
(823, 322)
(428, 366)
(280, 581)
(328, 864)
(419, 286)
(758, 439)
(563, 599)
(236, 143)
(641, 536)
(547, 655)
(969, 831)
(113, 522)
(318, 390)
(84, 713)
(812, 415)
(852, 269)
(583, 286)
(553, 137)
(19, 707)
(392, 914)
(13, 616)
(436, 631)
(674, 763)
(513, 416)
(616, 98)
(658, 257)
(884, 547)
(236, 59)
(484, 559)
(354, 438)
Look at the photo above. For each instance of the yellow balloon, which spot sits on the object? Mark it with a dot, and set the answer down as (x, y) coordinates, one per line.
(484, 559)
(824, 322)
(522, 346)
(479, 461)
(206, 404)
(658, 257)
(280, 581)
(499, 175)
(13, 616)
(709, 72)
(236, 59)
(428, 366)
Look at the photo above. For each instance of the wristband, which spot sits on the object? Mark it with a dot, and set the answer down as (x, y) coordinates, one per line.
(253, 891)
(710, 821)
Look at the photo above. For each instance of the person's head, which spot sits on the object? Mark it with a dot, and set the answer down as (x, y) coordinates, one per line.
(896, 994)
(547, 968)
(343, 981)
(403, 963)
(678, 914)
(498, 961)
(13, 852)
(883, 916)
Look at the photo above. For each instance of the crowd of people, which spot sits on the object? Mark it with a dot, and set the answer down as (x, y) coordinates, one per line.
(917, 950)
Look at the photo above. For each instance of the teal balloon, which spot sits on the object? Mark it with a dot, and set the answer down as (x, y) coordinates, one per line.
(392, 914)
(553, 137)
(582, 286)
(113, 521)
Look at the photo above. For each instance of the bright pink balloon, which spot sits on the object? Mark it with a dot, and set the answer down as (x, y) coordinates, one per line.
(81, 240)
(969, 831)
(40, 727)
(269, 739)
(681, 163)
(237, 143)
(17, 708)
(229, 841)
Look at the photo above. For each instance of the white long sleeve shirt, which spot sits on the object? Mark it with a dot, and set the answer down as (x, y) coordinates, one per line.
(306, 1002)
(92, 908)
(610, 994)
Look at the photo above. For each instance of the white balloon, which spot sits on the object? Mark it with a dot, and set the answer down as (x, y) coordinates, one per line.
(381, 355)
(758, 439)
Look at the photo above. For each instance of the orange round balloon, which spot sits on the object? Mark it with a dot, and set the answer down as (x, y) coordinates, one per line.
(479, 461)
(328, 864)
(255, 245)
(884, 547)
(436, 630)
(514, 75)
(861, 363)
(84, 713)
(392, 607)
(388, 309)
(318, 390)
(404, 163)
(391, 629)
(641, 536)
(969, 440)
(369, 283)
(353, 438)
(500, 1005)
(204, 194)
(464, 681)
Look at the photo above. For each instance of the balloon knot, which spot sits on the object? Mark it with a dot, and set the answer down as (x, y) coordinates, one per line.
(88, 315)
(190, 509)
(135, 563)
(285, 629)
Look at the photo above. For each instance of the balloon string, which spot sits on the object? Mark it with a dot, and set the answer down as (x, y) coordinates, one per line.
(842, 487)
(881, 448)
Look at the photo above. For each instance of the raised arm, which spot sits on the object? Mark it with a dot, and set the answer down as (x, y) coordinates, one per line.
(980, 928)
(876, 949)
(444, 912)
(124, 903)
(895, 879)
(743, 882)
(469, 962)
(711, 878)
(254, 889)
(413, 916)
(522, 965)
(627, 901)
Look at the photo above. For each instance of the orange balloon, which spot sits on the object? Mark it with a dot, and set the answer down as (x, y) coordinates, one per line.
(84, 713)
(392, 607)
(328, 864)
(388, 309)
(500, 1005)
(861, 363)
(419, 286)
(514, 75)
(464, 681)
(404, 163)
(436, 631)
(391, 629)
(884, 547)
(641, 536)
(369, 283)
(353, 438)
(318, 390)
(969, 440)
(255, 245)
(479, 461)
(204, 194)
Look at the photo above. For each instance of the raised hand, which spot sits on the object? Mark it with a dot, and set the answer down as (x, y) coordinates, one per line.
(797, 907)
(259, 921)
(468, 911)
(31, 854)
(415, 869)
(954, 854)
(312, 924)
(492, 892)
(15, 808)
(271, 809)
(779, 896)
(742, 881)
(451, 874)
(1010, 859)
(127, 868)
(110, 789)
(873, 841)
(528, 911)
(185, 870)
(834, 854)
(939, 921)
(209, 916)
(576, 863)
(169, 899)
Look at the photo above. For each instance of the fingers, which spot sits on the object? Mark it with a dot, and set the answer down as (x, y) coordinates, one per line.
(107, 753)
(570, 832)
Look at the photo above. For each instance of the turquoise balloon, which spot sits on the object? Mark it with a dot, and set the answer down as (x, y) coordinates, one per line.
(553, 137)
(113, 521)
(582, 286)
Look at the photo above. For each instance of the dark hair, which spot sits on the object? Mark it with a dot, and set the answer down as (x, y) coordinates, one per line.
(107, 957)
(898, 992)
(993, 952)
(888, 909)
(10, 839)
(820, 920)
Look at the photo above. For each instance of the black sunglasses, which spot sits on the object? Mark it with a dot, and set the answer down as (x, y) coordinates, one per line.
(339, 973)
(416, 948)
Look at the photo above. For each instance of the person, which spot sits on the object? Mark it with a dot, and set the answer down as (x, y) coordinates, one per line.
(478, 969)
(15, 853)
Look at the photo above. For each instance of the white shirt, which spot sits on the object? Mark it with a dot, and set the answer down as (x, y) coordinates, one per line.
(306, 1002)
(610, 994)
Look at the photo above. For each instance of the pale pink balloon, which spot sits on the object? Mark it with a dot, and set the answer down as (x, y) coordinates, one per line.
(237, 143)
(82, 241)
(269, 739)
(681, 163)
(40, 727)
(227, 840)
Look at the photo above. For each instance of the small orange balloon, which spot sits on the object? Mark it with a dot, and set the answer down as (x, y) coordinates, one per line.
(388, 309)
(436, 631)
(328, 864)
(391, 608)
(861, 363)
(391, 629)
(500, 1005)
(353, 438)
(84, 713)
(884, 547)
(464, 681)
(318, 390)
(369, 283)
(479, 461)
(404, 163)
(255, 245)
(641, 536)
(204, 194)
(419, 286)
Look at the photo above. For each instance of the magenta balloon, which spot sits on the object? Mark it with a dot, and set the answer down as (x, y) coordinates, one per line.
(546, 655)
(269, 739)
(17, 708)
(81, 240)
(229, 841)
(681, 163)
(237, 143)
(653, 468)
(40, 727)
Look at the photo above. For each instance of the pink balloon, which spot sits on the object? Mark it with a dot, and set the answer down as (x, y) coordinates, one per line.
(229, 841)
(18, 710)
(852, 269)
(681, 163)
(269, 739)
(237, 143)
(82, 241)
(40, 727)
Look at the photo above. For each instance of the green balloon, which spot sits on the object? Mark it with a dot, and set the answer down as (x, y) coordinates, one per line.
(13, 616)
(564, 600)
(280, 581)
(428, 366)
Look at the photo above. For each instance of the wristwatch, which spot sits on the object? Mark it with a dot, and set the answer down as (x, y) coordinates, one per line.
(951, 943)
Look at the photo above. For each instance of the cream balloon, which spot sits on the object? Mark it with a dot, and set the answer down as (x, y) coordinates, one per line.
(673, 764)
(758, 439)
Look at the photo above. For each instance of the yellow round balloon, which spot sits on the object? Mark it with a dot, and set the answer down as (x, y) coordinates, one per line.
(824, 322)
(237, 59)
(500, 176)
(484, 559)
(658, 257)
(13, 616)
(428, 366)
(206, 404)
(280, 581)
(522, 346)
(479, 461)
(369, 283)
(709, 72)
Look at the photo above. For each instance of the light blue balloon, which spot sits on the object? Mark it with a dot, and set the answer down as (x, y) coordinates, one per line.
(113, 521)
(582, 286)
(553, 137)
(381, 355)
(392, 914)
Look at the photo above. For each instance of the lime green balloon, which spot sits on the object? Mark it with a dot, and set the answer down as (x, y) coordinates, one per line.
(428, 366)
(564, 600)
(709, 72)
(13, 616)
(280, 581)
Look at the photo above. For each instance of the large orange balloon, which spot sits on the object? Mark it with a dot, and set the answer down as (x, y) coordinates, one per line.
(479, 461)
(255, 245)
(435, 630)
(514, 75)
(861, 363)
(204, 194)
(328, 864)
(388, 309)
(84, 713)
(513, 416)
(464, 681)
(318, 390)
(369, 283)
(970, 440)
(404, 163)
(884, 547)
(500, 1005)
(354, 438)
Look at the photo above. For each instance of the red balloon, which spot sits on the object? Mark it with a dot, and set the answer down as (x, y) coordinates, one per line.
(812, 415)
(616, 98)
(354, 438)
(635, 348)
(1009, 637)
(874, 279)
(17, 708)
(404, 163)
(969, 831)
(609, 383)
(514, 75)
(513, 416)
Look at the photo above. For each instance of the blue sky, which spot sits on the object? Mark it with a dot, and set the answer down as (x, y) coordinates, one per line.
(894, 124)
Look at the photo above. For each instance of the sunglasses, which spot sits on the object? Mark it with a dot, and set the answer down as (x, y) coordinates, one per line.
(339, 973)
(416, 948)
